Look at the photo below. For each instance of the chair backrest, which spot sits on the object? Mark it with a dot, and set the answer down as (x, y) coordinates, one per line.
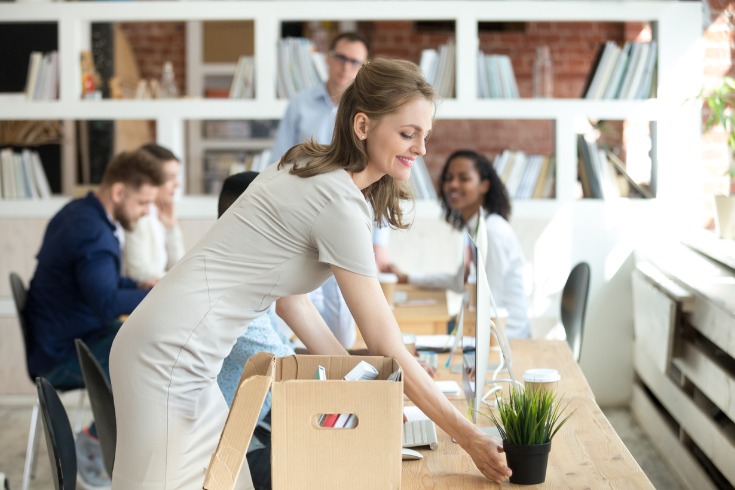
(59, 437)
(574, 305)
(20, 296)
(100, 397)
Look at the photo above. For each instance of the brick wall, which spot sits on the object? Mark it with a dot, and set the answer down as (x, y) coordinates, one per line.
(154, 43)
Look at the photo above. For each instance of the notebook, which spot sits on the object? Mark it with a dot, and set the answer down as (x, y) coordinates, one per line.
(418, 430)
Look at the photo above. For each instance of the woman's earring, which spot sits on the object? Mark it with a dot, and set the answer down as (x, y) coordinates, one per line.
(362, 137)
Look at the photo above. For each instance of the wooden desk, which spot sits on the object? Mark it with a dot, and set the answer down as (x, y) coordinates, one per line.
(586, 453)
(424, 312)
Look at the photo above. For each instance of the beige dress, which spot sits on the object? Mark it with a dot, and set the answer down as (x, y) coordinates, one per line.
(278, 239)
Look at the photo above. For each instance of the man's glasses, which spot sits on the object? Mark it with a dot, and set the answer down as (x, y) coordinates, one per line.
(345, 60)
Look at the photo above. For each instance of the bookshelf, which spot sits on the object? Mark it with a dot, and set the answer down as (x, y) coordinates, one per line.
(592, 230)
(675, 32)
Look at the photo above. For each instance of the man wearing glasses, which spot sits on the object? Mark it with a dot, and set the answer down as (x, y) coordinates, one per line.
(311, 113)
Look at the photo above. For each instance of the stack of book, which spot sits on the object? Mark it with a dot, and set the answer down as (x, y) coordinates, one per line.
(243, 82)
(526, 176)
(22, 175)
(603, 175)
(495, 77)
(438, 68)
(300, 66)
(623, 73)
(42, 82)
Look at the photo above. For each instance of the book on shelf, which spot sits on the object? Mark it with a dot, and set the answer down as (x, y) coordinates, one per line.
(525, 176)
(603, 70)
(243, 82)
(22, 175)
(623, 73)
(428, 62)
(438, 67)
(42, 80)
(496, 78)
(646, 84)
(593, 69)
(515, 173)
(587, 174)
(603, 175)
(507, 78)
(34, 67)
(546, 179)
(636, 73)
(298, 67)
(616, 78)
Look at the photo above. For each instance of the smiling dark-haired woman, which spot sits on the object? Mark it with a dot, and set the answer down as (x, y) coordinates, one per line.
(472, 194)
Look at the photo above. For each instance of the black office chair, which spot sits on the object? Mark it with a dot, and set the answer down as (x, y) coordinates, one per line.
(574, 305)
(100, 397)
(20, 296)
(59, 437)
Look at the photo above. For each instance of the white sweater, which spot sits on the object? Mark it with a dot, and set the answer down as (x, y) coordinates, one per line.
(151, 249)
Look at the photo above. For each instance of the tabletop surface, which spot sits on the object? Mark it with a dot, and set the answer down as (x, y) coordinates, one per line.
(586, 452)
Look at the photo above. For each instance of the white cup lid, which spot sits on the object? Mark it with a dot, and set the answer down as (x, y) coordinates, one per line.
(541, 375)
(387, 277)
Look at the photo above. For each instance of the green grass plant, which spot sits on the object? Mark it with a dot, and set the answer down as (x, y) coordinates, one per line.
(529, 417)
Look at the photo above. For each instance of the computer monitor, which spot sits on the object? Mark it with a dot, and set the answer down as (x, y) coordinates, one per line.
(476, 321)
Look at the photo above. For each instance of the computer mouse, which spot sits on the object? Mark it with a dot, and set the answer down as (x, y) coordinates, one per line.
(410, 454)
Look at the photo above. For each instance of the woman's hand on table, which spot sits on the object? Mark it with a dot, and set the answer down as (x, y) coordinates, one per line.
(485, 451)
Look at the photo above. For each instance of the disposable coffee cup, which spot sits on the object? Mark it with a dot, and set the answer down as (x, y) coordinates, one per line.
(388, 283)
(410, 340)
(541, 379)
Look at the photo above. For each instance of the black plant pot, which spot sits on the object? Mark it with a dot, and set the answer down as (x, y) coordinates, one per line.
(528, 463)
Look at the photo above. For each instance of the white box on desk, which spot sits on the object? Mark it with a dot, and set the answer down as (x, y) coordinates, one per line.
(305, 455)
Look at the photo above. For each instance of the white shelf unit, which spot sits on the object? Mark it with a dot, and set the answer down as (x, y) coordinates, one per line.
(676, 32)
(198, 144)
(555, 233)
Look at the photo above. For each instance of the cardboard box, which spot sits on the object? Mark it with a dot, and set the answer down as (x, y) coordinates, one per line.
(305, 455)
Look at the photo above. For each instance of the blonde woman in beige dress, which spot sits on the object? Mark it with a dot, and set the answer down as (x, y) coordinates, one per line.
(298, 223)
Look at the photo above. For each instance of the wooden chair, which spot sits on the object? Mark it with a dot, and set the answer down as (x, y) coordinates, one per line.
(59, 437)
(100, 397)
(20, 296)
(574, 306)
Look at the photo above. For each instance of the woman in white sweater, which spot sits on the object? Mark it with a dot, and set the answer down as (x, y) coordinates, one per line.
(471, 190)
(156, 244)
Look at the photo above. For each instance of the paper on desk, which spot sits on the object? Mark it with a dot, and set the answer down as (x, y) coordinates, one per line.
(449, 387)
(435, 342)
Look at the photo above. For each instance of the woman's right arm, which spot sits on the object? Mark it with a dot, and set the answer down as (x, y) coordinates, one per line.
(383, 337)
(302, 317)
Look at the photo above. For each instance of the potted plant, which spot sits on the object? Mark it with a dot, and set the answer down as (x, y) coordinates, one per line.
(527, 421)
(721, 102)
